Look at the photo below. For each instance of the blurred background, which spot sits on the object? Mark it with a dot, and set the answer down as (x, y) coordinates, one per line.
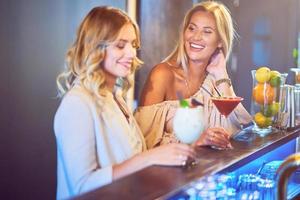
(35, 36)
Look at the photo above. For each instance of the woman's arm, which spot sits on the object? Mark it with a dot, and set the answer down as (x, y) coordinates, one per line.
(217, 68)
(157, 84)
(74, 129)
(168, 155)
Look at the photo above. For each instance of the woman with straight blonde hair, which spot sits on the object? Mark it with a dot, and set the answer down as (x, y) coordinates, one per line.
(98, 139)
(194, 69)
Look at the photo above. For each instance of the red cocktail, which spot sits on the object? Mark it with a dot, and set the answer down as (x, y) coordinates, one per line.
(226, 105)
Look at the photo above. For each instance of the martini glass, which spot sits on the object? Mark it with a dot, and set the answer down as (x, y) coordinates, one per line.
(225, 106)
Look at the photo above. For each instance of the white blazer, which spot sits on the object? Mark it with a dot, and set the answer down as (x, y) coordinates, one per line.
(92, 135)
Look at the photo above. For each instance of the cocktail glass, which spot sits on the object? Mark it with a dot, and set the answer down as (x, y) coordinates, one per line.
(225, 106)
(188, 125)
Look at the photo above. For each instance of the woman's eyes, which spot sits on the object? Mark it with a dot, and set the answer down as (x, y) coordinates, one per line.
(121, 45)
(191, 28)
(206, 31)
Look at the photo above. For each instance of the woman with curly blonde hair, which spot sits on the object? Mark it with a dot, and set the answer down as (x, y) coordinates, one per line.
(98, 139)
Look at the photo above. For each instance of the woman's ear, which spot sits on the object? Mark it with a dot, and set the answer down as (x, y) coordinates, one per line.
(220, 47)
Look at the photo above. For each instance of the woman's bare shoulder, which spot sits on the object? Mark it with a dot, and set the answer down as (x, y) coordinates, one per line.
(159, 80)
(161, 71)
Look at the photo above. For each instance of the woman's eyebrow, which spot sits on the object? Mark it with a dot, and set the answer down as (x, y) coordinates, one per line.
(125, 40)
(206, 27)
(191, 23)
(122, 40)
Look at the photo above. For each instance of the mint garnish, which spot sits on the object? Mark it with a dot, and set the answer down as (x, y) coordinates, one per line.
(184, 103)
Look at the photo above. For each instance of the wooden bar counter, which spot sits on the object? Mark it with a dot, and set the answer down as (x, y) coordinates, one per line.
(158, 181)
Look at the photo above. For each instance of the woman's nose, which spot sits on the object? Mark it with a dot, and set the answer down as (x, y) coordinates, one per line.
(131, 51)
(198, 35)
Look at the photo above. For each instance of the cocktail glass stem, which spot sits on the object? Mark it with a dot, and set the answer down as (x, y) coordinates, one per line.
(223, 118)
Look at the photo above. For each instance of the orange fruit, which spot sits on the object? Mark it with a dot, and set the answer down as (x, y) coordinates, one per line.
(263, 93)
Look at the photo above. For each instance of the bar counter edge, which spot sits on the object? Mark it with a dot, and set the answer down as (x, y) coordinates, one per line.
(159, 182)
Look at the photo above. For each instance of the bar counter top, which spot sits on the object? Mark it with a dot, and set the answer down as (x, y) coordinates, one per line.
(158, 181)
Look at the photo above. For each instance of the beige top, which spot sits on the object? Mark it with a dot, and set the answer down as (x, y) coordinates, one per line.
(156, 120)
(92, 135)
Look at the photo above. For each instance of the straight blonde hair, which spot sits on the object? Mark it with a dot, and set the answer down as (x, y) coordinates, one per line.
(224, 25)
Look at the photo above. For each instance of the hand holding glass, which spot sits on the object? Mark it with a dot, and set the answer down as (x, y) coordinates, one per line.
(225, 106)
(188, 124)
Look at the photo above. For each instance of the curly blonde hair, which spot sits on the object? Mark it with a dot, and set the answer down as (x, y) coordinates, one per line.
(225, 30)
(84, 59)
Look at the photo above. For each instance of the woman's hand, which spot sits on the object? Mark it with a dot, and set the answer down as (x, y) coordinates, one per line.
(169, 155)
(217, 65)
(215, 137)
(174, 154)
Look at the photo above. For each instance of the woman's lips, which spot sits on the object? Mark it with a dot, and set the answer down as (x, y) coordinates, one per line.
(126, 64)
(196, 46)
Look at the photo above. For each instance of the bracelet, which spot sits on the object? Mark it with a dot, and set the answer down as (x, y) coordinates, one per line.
(223, 80)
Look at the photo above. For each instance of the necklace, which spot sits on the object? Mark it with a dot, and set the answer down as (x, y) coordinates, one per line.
(185, 79)
(187, 86)
(184, 76)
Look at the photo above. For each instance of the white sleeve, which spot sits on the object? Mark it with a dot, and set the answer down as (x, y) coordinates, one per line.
(76, 143)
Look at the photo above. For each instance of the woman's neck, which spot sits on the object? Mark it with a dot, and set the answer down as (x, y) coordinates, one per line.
(196, 69)
(110, 81)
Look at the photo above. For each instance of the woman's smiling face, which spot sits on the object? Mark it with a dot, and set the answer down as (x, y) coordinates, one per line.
(201, 37)
(121, 53)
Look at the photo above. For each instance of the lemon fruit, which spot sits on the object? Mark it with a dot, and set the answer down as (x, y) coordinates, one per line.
(275, 108)
(262, 121)
(270, 110)
(262, 74)
(275, 78)
(268, 121)
(263, 94)
(274, 73)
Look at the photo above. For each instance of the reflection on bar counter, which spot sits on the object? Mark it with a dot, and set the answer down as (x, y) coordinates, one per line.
(269, 182)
